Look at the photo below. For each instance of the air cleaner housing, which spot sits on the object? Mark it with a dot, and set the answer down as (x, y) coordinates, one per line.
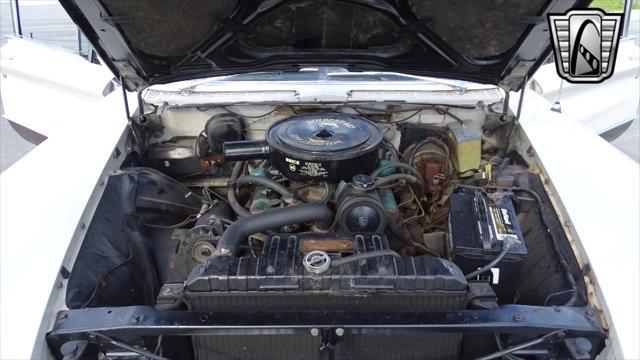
(321, 147)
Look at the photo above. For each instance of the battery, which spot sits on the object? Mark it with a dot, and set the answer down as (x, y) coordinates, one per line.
(478, 228)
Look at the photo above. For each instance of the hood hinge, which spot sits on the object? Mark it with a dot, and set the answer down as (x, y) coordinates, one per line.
(516, 74)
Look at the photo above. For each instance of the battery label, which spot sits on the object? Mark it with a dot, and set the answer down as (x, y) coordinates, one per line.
(502, 223)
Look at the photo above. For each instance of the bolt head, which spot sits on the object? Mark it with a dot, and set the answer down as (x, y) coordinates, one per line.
(69, 348)
(339, 331)
(315, 332)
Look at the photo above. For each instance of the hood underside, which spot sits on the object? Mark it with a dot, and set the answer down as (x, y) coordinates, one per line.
(148, 42)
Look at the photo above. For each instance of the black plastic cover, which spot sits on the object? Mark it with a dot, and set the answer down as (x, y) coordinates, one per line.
(245, 150)
(114, 266)
(324, 146)
(222, 128)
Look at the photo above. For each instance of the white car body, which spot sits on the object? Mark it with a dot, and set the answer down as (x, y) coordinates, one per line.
(50, 194)
(585, 103)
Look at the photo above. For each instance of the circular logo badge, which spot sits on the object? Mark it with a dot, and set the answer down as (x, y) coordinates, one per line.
(316, 261)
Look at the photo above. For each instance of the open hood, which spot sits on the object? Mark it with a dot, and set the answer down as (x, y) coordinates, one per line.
(148, 42)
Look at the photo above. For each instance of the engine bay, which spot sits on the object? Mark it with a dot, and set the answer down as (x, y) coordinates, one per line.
(331, 209)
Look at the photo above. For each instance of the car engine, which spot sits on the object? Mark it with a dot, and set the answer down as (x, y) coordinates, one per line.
(351, 209)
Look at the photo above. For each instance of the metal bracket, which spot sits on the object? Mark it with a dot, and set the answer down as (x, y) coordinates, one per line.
(115, 20)
(147, 320)
(329, 337)
(132, 322)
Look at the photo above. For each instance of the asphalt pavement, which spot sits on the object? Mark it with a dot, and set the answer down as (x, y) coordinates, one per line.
(45, 20)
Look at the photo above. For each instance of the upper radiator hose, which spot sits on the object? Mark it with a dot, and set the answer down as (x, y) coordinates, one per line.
(229, 243)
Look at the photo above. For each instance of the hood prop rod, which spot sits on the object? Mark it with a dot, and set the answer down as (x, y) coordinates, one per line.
(124, 97)
(516, 121)
(134, 131)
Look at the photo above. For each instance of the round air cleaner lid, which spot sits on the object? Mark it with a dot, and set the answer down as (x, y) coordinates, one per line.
(331, 136)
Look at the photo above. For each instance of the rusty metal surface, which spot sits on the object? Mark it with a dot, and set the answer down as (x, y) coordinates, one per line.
(327, 244)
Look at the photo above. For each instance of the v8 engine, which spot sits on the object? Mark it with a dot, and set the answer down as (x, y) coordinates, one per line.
(323, 217)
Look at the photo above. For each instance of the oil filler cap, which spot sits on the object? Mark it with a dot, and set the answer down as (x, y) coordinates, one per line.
(363, 182)
(316, 262)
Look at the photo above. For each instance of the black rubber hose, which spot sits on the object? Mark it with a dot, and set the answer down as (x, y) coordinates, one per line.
(266, 182)
(395, 177)
(501, 347)
(134, 349)
(412, 157)
(363, 256)
(231, 194)
(229, 243)
(505, 249)
(524, 345)
(400, 165)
